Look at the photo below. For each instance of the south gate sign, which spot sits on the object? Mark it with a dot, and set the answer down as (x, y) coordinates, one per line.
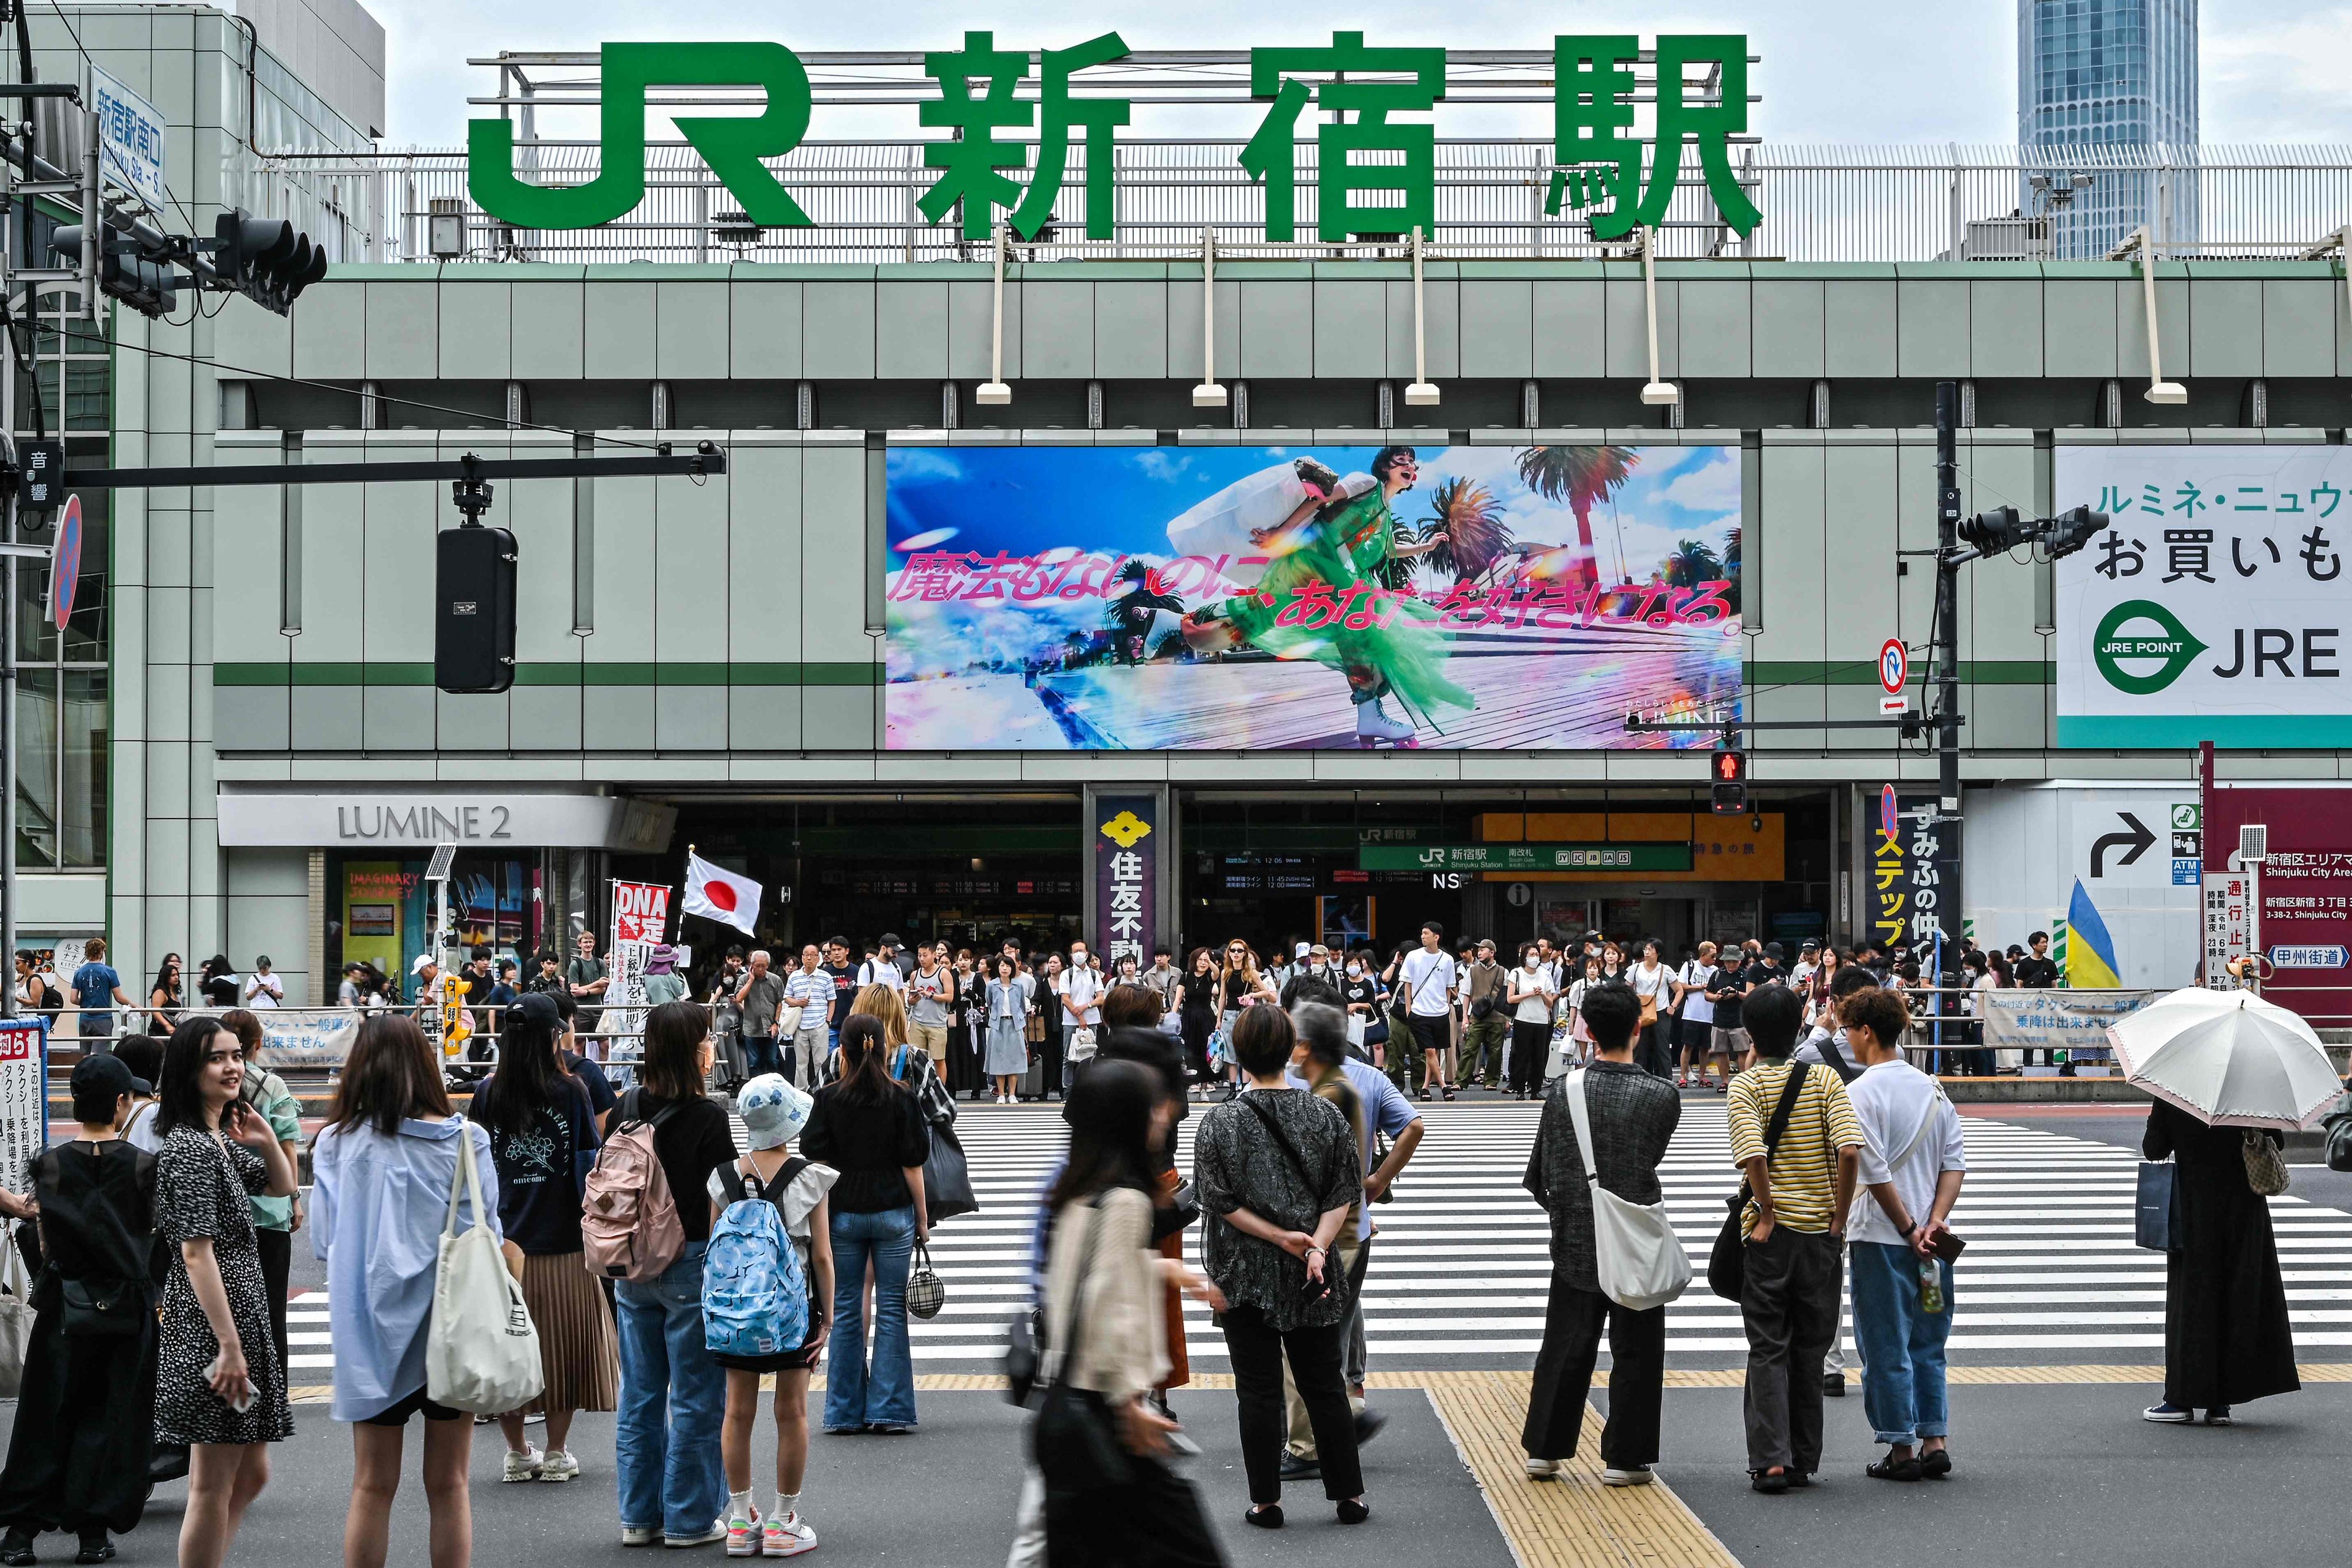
(1374, 175)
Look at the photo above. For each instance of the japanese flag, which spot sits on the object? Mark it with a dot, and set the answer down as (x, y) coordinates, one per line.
(720, 895)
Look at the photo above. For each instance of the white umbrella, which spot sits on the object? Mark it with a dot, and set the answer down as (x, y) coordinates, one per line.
(2229, 1059)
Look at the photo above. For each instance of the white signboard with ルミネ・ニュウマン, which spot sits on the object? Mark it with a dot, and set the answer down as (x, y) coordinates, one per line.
(2215, 606)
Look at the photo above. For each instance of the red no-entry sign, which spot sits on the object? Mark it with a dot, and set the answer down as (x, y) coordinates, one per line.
(64, 564)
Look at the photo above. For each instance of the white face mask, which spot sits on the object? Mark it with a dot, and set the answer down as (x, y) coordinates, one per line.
(1355, 972)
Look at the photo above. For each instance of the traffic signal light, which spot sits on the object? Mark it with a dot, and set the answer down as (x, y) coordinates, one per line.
(1996, 532)
(139, 275)
(1730, 781)
(2070, 531)
(265, 259)
(473, 609)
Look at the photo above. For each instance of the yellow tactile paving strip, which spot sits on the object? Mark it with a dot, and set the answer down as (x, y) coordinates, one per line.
(1572, 1521)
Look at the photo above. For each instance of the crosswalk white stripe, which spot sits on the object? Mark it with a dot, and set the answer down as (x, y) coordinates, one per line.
(1462, 1263)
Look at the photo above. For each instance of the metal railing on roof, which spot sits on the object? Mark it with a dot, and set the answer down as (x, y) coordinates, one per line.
(1820, 203)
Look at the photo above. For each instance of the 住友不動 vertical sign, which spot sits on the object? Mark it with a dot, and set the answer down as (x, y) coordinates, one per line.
(1126, 877)
(24, 1097)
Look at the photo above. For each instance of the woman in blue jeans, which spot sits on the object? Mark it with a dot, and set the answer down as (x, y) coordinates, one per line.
(673, 1485)
(869, 1128)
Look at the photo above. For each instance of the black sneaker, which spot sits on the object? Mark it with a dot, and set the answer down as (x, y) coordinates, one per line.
(1369, 1423)
(1295, 1469)
(1833, 1386)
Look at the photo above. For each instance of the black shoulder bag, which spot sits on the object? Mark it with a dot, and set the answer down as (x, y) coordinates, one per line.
(1314, 1289)
(1075, 1439)
(1726, 1264)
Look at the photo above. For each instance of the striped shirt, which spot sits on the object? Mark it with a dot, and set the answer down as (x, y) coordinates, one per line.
(1804, 1170)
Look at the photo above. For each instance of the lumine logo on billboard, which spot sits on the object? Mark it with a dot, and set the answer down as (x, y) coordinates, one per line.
(1373, 176)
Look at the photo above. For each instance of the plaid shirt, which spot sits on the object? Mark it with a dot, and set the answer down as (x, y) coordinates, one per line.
(939, 1106)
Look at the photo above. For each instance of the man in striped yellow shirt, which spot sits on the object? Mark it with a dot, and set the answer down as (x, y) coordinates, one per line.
(1794, 1224)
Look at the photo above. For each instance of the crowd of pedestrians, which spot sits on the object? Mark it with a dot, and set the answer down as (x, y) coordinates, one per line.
(668, 1274)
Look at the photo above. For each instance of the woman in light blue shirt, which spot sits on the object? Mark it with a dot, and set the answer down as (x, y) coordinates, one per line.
(383, 1167)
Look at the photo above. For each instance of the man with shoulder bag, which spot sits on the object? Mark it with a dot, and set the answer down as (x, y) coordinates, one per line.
(1793, 1133)
(1604, 1149)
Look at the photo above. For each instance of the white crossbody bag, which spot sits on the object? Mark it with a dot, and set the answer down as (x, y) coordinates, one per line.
(1640, 1260)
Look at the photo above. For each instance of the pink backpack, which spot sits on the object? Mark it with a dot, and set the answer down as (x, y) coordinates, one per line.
(628, 1221)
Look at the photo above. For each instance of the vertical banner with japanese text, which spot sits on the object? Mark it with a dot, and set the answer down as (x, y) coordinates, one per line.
(1916, 866)
(2215, 606)
(640, 918)
(1126, 877)
(23, 1098)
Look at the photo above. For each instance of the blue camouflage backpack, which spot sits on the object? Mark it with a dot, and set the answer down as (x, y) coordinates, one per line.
(755, 1294)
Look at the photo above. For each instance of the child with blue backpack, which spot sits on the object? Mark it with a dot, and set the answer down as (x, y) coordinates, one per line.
(766, 1281)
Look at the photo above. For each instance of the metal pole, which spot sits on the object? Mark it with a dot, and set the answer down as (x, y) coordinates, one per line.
(1947, 641)
(92, 231)
(8, 612)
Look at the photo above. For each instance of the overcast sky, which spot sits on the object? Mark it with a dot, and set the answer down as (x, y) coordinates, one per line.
(1833, 71)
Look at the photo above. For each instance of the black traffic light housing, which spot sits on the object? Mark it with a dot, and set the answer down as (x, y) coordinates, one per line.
(265, 259)
(136, 273)
(1997, 531)
(2071, 530)
(473, 595)
(1728, 781)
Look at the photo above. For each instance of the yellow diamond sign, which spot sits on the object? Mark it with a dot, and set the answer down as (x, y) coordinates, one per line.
(1125, 830)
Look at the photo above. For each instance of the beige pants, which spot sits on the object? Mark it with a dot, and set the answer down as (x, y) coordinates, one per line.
(1302, 1431)
(932, 1037)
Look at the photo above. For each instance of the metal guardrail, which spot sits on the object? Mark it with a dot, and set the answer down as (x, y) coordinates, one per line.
(1820, 203)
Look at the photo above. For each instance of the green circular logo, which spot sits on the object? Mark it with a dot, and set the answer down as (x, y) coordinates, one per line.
(2124, 655)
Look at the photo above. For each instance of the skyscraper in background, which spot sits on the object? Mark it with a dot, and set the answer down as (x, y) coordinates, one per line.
(2110, 75)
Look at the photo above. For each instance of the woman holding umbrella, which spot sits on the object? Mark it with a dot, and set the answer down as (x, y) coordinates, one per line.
(2230, 1073)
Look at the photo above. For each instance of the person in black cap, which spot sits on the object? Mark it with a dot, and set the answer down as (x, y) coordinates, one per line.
(85, 1417)
(1765, 970)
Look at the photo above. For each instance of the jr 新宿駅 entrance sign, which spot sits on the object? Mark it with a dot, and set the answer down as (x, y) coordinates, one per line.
(1374, 175)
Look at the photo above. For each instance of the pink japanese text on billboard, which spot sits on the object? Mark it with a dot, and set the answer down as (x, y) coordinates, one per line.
(1153, 598)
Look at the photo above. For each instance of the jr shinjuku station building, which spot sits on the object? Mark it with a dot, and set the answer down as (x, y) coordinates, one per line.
(1266, 530)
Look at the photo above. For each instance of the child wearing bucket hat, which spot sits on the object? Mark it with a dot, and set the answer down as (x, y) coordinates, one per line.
(773, 1114)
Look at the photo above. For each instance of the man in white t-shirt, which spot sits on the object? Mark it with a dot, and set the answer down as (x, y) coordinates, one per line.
(1913, 1162)
(264, 990)
(1695, 978)
(886, 967)
(1429, 976)
(1081, 990)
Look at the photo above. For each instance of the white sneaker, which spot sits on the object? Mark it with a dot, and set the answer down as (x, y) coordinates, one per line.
(788, 1536)
(1636, 1476)
(559, 1465)
(641, 1535)
(743, 1533)
(525, 1466)
(1543, 1469)
(718, 1531)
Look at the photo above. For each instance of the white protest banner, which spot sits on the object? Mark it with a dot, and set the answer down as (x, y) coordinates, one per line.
(2075, 1022)
(309, 1040)
(23, 1098)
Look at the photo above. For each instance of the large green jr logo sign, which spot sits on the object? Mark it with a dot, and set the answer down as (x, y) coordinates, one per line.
(1373, 176)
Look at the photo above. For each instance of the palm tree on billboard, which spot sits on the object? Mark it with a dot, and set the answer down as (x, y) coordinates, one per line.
(1583, 476)
(1475, 535)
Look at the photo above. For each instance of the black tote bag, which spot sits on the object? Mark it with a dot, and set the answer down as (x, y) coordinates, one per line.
(1726, 1263)
(2152, 1207)
(946, 1178)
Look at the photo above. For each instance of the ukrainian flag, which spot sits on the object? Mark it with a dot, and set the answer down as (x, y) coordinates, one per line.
(2090, 951)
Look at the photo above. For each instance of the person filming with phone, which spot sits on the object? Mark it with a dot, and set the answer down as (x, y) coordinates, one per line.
(1912, 1164)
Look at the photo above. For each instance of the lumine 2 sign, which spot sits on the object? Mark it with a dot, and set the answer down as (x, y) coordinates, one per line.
(1373, 174)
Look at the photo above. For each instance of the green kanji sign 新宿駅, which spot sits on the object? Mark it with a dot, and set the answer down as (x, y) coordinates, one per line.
(1373, 176)
(1523, 857)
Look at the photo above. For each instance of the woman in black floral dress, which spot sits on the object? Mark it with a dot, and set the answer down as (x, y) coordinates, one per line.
(216, 1347)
